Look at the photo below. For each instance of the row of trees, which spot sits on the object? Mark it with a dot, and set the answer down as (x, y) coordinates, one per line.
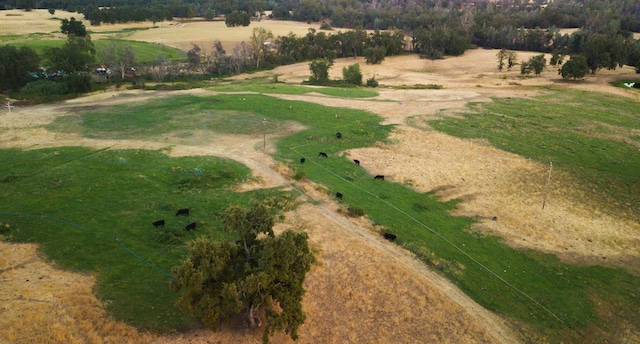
(263, 49)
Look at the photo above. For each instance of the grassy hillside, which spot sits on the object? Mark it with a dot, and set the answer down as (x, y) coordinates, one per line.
(550, 299)
(593, 137)
(93, 210)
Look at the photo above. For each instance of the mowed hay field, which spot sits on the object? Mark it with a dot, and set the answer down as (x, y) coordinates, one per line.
(363, 289)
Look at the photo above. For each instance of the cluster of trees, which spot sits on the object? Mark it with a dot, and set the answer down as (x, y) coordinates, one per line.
(263, 49)
(125, 14)
(237, 18)
(60, 70)
(350, 75)
(20, 67)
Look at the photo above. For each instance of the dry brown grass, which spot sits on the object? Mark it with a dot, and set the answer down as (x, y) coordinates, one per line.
(40, 304)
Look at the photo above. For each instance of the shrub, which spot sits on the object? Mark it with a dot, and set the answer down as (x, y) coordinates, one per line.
(78, 83)
(355, 211)
(325, 26)
(42, 88)
(352, 74)
(372, 82)
(300, 175)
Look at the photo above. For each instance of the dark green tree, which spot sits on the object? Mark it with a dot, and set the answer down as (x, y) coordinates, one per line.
(374, 55)
(16, 66)
(535, 64)
(210, 14)
(512, 59)
(73, 27)
(236, 18)
(352, 74)
(77, 83)
(526, 68)
(260, 274)
(501, 55)
(75, 55)
(556, 58)
(575, 68)
(320, 71)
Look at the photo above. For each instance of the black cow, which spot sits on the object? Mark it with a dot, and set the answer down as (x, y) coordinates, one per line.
(159, 223)
(323, 154)
(302, 160)
(356, 161)
(389, 236)
(191, 226)
(184, 211)
(338, 135)
(338, 195)
(381, 177)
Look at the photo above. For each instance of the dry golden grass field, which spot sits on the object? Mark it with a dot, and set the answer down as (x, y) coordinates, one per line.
(345, 300)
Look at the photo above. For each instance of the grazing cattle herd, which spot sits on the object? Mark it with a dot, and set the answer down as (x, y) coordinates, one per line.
(183, 211)
(339, 195)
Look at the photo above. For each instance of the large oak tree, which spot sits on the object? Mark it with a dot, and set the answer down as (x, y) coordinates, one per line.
(260, 274)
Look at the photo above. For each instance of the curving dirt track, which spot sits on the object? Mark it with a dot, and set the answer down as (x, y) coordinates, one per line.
(363, 289)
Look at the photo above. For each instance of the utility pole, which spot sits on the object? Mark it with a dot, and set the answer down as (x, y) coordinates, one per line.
(9, 106)
(264, 135)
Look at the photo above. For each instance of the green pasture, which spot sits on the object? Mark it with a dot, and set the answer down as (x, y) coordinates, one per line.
(560, 301)
(144, 52)
(593, 137)
(265, 85)
(92, 211)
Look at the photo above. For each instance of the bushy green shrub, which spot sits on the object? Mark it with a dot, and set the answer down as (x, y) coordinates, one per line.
(355, 211)
(300, 175)
(42, 88)
(372, 82)
(78, 83)
(325, 26)
(352, 74)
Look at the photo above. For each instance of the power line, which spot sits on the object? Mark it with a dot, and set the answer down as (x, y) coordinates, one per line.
(440, 236)
(95, 232)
